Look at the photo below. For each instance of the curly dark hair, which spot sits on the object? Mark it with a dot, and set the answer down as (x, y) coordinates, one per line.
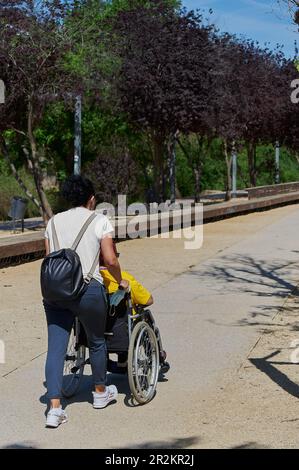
(77, 190)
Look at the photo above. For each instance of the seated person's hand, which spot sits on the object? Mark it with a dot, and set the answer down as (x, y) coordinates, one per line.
(124, 285)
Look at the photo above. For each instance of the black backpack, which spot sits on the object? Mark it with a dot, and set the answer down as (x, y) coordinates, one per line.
(61, 271)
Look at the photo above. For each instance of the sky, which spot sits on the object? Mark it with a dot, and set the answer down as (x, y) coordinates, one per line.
(262, 20)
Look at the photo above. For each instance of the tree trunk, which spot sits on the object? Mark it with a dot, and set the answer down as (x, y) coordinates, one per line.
(228, 161)
(17, 176)
(251, 155)
(34, 165)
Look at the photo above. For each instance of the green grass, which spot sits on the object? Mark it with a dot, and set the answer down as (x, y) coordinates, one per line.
(10, 188)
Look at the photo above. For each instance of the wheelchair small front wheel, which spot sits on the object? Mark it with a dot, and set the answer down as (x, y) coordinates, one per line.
(143, 363)
(74, 363)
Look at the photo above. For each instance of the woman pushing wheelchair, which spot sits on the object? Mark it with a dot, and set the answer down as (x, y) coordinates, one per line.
(82, 231)
(80, 268)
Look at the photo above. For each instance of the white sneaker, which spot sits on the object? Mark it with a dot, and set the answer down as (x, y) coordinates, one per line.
(101, 400)
(55, 417)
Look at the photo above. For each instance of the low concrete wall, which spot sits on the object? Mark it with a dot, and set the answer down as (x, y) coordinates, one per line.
(264, 191)
(31, 246)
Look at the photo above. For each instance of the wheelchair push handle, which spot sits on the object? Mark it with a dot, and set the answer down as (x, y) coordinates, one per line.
(124, 285)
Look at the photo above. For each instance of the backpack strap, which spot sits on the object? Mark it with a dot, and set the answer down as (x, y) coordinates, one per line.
(82, 231)
(89, 276)
(54, 236)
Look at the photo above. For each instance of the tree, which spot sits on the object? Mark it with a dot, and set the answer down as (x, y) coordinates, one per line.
(195, 147)
(33, 46)
(248, 102)
(291, 114)
(293, 8)
(225, 116)
(164, 78)
(265, 92)
(113, 172)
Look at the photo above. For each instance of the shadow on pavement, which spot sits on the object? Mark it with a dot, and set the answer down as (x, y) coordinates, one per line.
(268, 367)
(179, 443)
(21, 445)
(84, 393)
(250, 445)
(237, 268)
(261, 278)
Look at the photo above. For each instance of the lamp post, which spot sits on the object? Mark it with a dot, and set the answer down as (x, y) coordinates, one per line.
(277, 162)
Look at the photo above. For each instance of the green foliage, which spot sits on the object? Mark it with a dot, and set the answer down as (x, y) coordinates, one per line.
(212, 178)
(289, 166)
(213, 175)
(213, 168)
(115, 6)
(184, 176)
(55, 136)
(4, 168)
(58, 204)
(106, 131)
(10, 188)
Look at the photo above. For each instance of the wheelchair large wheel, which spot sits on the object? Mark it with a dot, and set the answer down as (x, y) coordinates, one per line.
(143, 363)
(74, 363)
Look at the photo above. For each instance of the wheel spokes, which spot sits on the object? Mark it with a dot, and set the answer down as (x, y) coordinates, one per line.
(144, 371)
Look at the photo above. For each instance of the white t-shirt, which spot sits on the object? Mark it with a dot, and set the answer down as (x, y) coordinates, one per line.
(68, 225)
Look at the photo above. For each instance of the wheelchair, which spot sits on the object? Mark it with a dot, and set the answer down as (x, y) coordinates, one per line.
(130, 333)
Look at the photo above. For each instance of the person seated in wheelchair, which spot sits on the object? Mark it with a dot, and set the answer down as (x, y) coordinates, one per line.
(140, 296)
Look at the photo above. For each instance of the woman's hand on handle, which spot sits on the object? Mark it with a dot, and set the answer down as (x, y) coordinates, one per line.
(124, 285)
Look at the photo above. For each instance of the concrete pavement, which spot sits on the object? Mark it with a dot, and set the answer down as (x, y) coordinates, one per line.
(212, 306)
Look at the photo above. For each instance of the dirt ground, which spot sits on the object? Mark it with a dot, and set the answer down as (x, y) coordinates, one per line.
(260, 407)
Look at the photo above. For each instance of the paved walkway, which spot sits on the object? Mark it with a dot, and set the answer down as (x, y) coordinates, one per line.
(212, 306)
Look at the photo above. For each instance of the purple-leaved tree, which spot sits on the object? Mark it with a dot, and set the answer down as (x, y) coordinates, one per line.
(33, 45)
